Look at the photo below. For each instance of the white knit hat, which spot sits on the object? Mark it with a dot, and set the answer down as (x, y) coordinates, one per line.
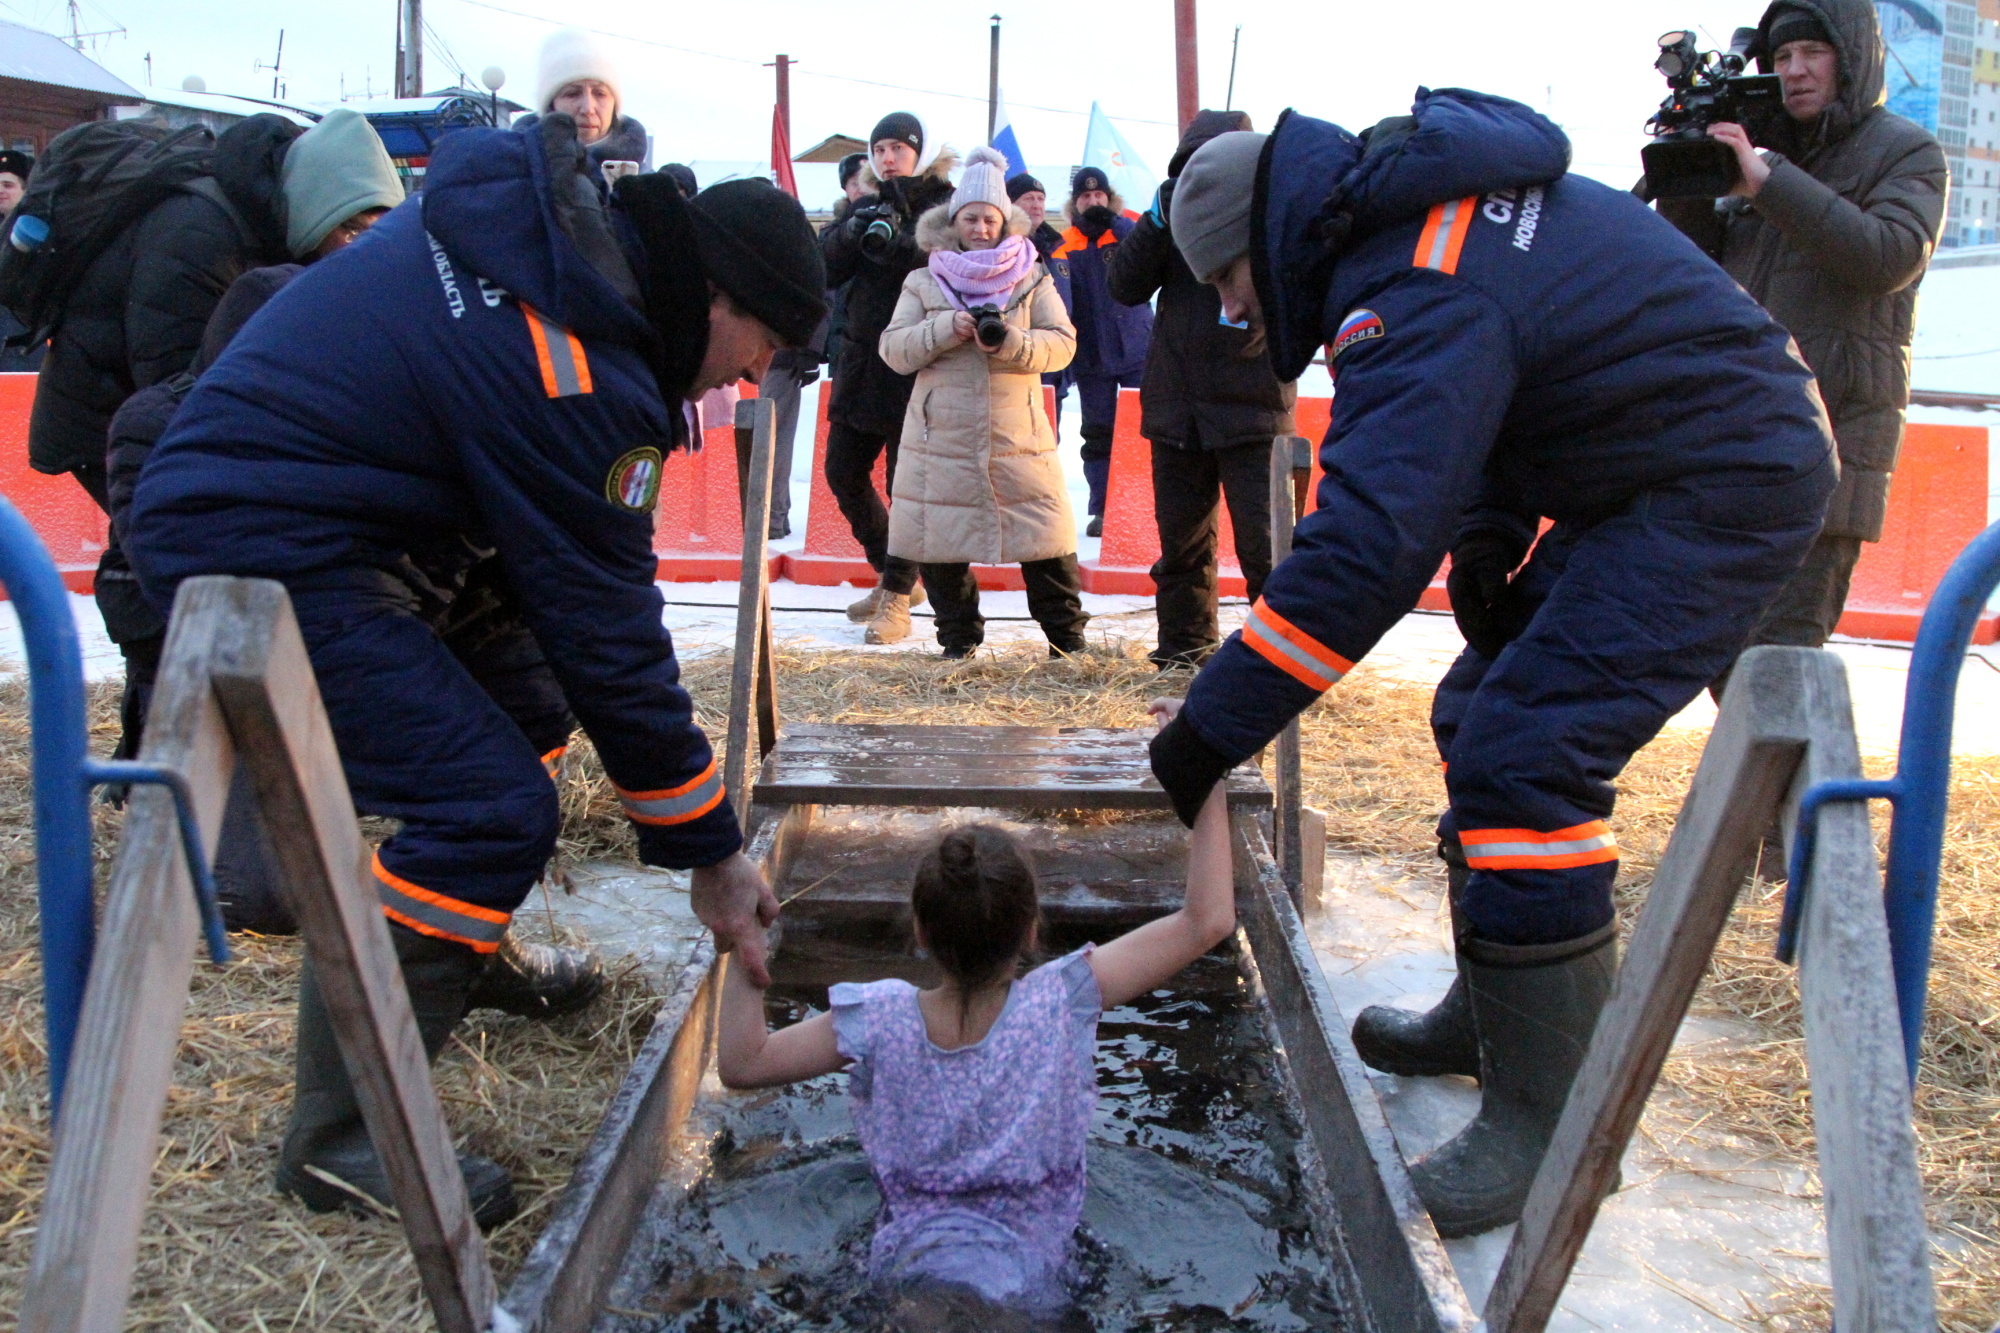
(569, 54)
(984, 182)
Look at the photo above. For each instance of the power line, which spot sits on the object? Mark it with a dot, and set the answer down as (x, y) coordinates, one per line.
(798, 69)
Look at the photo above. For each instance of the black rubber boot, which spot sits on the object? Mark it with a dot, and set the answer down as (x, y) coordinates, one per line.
(1535, 1007)
(537, 980)
(248, 884)
(1441, 1041)
(326, 1136)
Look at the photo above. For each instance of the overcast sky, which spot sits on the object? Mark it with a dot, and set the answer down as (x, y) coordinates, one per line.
(694, 70)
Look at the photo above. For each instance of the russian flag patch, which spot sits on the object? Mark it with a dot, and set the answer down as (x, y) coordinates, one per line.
(1359, 326)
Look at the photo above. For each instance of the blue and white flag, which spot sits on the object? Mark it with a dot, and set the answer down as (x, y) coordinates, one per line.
(1004, 141)
(1105, 147)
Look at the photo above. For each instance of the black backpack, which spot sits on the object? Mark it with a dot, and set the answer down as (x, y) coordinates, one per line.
(94, 181)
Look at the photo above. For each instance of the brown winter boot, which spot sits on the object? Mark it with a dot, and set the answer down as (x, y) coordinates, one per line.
(891, 623)
(863, 611)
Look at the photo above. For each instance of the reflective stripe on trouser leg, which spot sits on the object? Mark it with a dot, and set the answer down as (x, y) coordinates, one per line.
(675, 805)
(552, 761)
(430, 913)
(1525, 849)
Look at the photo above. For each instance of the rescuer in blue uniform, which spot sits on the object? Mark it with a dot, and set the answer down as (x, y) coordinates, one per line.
(500, 366)
(1509, 342)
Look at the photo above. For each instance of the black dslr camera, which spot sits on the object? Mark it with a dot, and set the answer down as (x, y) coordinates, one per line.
(989, 326)
(1704, 89)
(883, 221)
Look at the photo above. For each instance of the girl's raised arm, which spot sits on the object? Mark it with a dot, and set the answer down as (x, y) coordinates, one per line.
(750, 1055)
(1141, 960)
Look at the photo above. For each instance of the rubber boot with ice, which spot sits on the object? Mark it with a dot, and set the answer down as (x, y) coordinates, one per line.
(1441, 1040)
(892, 620)
(537, 980)
(1535, 1007)
(327, 1161)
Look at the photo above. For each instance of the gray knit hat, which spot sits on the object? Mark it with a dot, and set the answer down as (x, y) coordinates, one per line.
(1211, 206)
(984, 182)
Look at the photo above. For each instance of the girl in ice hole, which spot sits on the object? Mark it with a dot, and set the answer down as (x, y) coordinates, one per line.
(973, 1099)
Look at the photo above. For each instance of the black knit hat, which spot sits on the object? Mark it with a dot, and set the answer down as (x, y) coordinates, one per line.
(1794, 24)
(850, 167)
(757, 246)
(1024, 184)
(1089, 178)
(902, 127)
(16, 163)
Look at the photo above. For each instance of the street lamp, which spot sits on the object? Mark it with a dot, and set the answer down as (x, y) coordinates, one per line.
(494, 78)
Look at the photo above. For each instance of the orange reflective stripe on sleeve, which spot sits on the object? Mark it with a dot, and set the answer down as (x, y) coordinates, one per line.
(565, 369)
(1524, 849)
(552, 761)
(1444, 234)
(430, 913)
(675, 805)
(1292, 650)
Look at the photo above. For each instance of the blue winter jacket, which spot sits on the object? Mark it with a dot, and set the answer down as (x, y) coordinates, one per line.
(459, 372)
(1508, 342)
(1111, 339)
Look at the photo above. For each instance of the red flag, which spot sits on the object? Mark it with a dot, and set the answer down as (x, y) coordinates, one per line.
(781, 155)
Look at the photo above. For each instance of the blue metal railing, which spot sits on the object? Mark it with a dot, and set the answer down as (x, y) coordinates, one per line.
(64, 773)
(1918, 791)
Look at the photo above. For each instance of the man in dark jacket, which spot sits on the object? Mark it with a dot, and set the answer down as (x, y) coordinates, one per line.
(1110, 338)
(1831, 233)
(16, 357)
(1033, 199)
(1509, 340)
(1210, 407)
(865, 415)
(498, 365)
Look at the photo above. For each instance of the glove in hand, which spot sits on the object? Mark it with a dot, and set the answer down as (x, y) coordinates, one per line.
(1096, 220)
(1489, 612)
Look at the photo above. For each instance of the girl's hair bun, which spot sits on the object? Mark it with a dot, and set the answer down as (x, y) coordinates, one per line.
(974, 897)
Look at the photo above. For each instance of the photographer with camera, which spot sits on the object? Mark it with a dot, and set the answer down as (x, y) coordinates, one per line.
(1510, 340)
(870, 254)
(1830, 230)
(979, 480)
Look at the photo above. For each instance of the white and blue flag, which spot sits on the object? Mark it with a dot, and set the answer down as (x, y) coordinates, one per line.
(1004, 141)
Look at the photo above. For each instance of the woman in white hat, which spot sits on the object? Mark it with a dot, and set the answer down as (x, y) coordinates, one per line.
(577, 74)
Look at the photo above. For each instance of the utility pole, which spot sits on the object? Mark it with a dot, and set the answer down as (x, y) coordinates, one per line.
(409, 48)
(1229, 98)
(993, 84)
(1186, 86)
(784, 65)
(276, 65)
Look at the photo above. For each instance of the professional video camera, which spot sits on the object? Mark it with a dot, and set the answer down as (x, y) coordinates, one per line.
(1704, 89)
(989, 325)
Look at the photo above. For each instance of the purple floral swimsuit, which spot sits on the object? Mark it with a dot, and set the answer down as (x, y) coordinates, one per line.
(978, 1151)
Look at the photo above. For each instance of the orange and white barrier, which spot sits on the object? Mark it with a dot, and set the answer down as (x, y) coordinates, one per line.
(698, 523)
(1937, 503)
(64, 516)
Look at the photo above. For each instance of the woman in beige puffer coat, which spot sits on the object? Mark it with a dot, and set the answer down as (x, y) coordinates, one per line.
(977, 478)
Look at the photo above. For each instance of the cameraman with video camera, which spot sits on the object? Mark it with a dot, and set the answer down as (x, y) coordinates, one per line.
(872, 252)
(1830, 230)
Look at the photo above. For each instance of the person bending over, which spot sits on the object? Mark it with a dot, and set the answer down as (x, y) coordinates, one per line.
(498, 364)
(979, 480)
(973, 1098)
(1510, 341)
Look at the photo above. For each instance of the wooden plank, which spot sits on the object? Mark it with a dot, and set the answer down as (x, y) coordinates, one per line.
(1312, 861)
(753, 601)
(102, 1171)
(1289, 793)
(563, 1283)
(836, 789)
(1768, 718)
(976, 733)
(264, 683)
(1109, 902)
(1878, 1245)
(1398, 1266)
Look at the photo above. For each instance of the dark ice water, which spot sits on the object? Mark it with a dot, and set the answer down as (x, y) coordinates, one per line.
(1194, 1218)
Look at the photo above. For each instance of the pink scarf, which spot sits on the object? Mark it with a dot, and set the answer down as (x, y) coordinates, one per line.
(976, 277)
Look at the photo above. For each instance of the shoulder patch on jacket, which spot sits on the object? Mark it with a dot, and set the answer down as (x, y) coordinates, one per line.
(1359, 326)
(559, 353)
(1444, 234)
(634, 481)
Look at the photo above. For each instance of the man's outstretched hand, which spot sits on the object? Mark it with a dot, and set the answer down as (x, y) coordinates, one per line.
(732, 899)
